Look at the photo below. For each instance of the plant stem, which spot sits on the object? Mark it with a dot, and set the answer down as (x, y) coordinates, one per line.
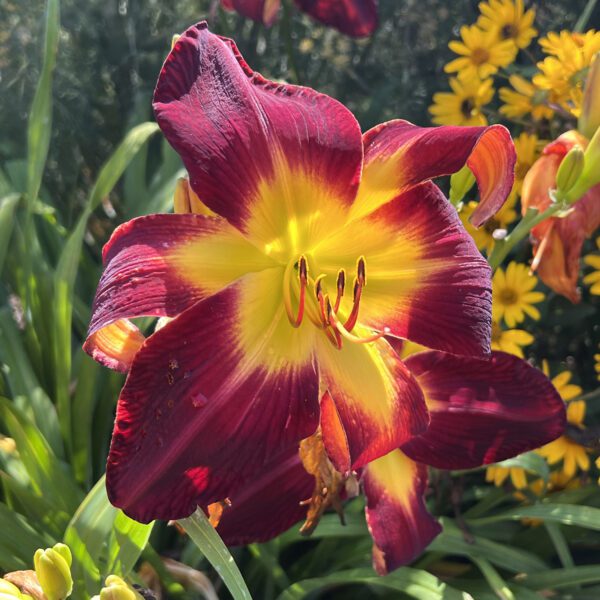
(585, 16)
(532, 218)
(203, 534)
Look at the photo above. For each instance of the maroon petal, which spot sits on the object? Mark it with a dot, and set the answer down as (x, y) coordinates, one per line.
(258, 153)
(482, 411)
(209, 401)
(397, 516)
(357, 18)
(399, 155)
(160, 265)
(267, 504)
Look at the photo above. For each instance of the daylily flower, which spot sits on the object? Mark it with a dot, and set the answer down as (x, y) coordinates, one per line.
(557, 241)
(481, 412)
(356, 18)
(326, 241)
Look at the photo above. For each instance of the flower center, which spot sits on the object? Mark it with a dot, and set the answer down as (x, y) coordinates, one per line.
(320, 309)
(467, 107)
(508, 297)
(509, 31)
(496, 332)
(491, 226)
(479, 56)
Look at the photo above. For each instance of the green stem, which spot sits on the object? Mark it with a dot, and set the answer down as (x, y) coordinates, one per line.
(289, 44)
(585, 16)
(203, 534)
(532, 218)
(493, 578)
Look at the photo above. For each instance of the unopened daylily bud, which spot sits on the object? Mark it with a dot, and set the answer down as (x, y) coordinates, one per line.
(117, 589)
(53, 570)
(460, 184)
(570, 170)
(589, 119)
(590, 175)
(9, 591)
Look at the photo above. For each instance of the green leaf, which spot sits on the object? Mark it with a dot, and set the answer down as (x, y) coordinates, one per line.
(49, 477)
(562, 578)
(40, 117)
(66, 270)
(415, 583)
(493, 578)
(97, 537)
(8, 204)
(203, 534)
(568, 514)
(452, 541)
(127, 541)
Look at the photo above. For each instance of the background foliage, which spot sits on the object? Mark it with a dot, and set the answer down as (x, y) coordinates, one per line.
(105, 165)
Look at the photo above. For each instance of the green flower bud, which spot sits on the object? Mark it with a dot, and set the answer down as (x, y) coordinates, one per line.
(570, 170)
(117, 589)
(460, 184)
(590, 174)
(589, 119)
(53, 570)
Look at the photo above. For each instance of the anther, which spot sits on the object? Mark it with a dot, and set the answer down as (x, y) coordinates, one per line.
(303, 277)
(361, 271)
(341, 285)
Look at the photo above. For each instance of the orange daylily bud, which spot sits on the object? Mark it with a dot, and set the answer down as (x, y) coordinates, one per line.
(589, 120)
(557, 241)
(185, 200)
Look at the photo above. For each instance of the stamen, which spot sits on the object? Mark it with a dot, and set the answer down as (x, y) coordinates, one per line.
(287, 300)
(341, 284)
(353, 317)
(321, 300)
(354, 338)
(361, 271)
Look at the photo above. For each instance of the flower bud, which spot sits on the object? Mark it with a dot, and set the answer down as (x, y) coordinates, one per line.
(117, 589)
(9, 591)
(53, 570)
(186, 200)
(570, 170)
(589, 119)
(590, 174)
(460, 183)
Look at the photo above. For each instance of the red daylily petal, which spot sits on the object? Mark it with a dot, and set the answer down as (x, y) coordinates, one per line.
(396, 512)
(426, 280)
(259, 153)
(160, 265)
(357, 18)
(263, 11)
(373, 404)
(209, 401)
(482, 411)
(399, 155)
(267, 504)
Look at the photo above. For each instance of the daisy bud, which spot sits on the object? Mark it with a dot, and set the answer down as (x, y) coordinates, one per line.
(590, 173)
(589, 119)
(53, 570)
(460, 183)
(569, 170)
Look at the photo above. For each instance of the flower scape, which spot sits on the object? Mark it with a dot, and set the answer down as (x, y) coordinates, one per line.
(273, 386)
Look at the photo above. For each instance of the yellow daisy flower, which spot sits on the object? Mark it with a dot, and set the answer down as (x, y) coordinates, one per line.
(463, 105)
(524, 99)
(498, 476)
(593, 278)
(564, 449)
(511, 341)
(559, 44)
(527, 146)
(483, 236)
(513, 295)
(480, 53)
(597, 365)
(508, 20)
